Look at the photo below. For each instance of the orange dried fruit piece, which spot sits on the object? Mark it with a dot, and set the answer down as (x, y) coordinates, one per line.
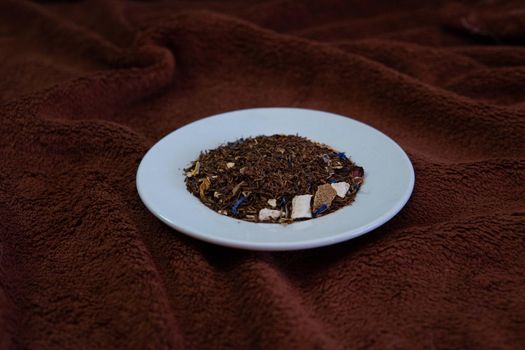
(325, 194)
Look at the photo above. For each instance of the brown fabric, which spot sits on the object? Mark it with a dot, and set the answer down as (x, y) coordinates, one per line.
(497, 19)
(87, 88)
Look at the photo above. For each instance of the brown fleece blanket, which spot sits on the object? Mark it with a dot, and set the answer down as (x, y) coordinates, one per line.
(87, 88)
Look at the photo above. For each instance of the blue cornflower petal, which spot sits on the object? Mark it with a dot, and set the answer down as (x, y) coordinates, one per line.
(321, 209)
(237, 204)
(342, 155)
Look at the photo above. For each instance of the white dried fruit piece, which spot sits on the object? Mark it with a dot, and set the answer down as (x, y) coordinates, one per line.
(325, 194)
(268, 214)
(301, 207)
(341, 188)
(230, 165)
(272, 202)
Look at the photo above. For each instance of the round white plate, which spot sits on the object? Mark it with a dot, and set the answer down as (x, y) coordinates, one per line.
(389, 179)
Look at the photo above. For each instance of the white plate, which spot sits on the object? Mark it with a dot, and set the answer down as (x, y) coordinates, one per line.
(389, 179)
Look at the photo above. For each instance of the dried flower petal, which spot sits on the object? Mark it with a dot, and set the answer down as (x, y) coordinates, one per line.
(195, 170)
(230, 165)
(342, 155)
(205, 184)
(321, 209)
(237, 204)
(358, 171)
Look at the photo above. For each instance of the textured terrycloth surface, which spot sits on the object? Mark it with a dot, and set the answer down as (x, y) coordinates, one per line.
(86, 89)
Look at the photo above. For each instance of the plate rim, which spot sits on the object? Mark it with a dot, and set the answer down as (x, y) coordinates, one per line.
(284, 246)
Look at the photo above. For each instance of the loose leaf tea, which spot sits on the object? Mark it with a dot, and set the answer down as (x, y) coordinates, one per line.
(278, 178)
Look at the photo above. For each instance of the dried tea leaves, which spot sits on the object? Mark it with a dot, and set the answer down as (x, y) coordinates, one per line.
(278, 178)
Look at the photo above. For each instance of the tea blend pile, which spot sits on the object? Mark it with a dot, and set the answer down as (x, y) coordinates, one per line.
(278, 178)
